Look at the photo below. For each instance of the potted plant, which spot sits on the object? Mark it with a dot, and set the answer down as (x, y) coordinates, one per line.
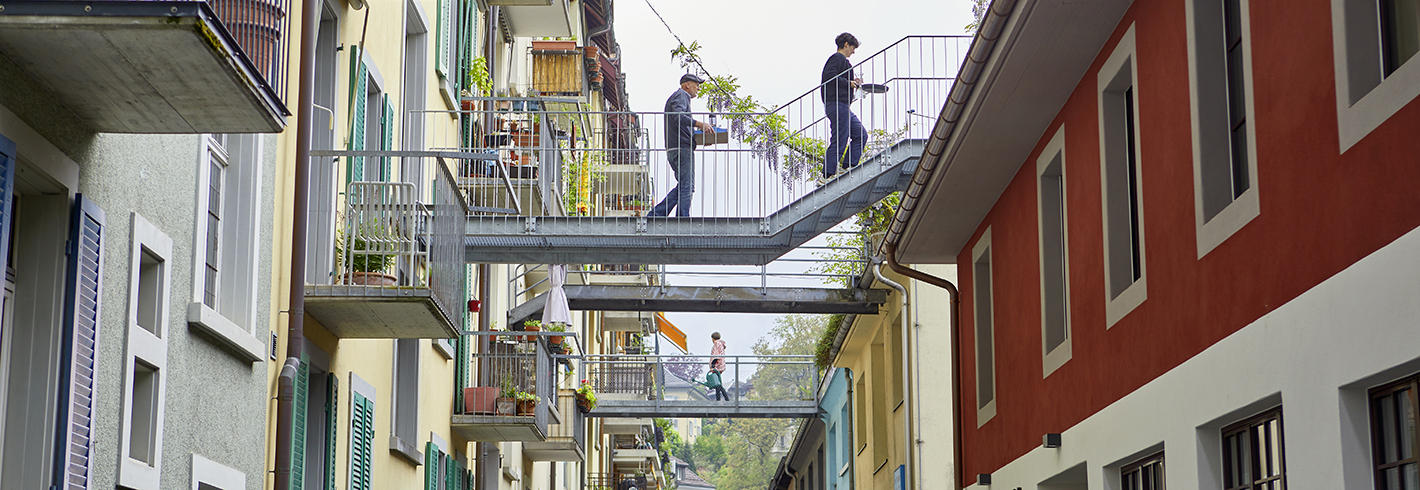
(586, 398)
(527, 402)
(367, 264)
(556, 339)
(507, 397)
(530, 326)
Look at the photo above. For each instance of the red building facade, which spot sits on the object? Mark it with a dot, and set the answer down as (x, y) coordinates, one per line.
(1208, 243)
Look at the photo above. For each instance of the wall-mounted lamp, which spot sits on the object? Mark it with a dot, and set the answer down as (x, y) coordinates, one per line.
(1051, 441)
(983, 479)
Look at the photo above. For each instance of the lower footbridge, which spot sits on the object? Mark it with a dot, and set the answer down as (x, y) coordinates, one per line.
(718, 299)
(651, 386)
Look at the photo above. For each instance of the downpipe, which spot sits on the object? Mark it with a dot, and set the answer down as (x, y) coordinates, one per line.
(954, 328)
(911, 427)
(296, 317)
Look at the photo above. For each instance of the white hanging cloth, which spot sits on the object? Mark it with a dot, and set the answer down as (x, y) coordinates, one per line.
(556, 310)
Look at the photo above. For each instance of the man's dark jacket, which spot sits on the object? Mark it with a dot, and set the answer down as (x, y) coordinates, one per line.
(837, 75)
(680, 127)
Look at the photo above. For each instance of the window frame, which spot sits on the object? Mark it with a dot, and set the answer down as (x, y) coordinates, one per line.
(404, 400)
(149, 348)
(1209, 91)
(1412, 384)
(984, 412)
(1110, 92)
(242, 192)
(215, 475)
(1053, 156)
(1246, 426)
(1139, 465)
(1365, 96)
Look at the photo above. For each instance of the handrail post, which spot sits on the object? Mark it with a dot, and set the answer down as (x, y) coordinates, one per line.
(737, 383)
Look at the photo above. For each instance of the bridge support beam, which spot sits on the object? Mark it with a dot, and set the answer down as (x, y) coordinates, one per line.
(710, 299)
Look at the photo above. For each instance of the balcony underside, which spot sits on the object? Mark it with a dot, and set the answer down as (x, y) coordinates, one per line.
(624, 425)
(557, 450)
(705, 409)
(498, 428)
(378, 312)
(541, 18)
(140, 67)
(708, 299)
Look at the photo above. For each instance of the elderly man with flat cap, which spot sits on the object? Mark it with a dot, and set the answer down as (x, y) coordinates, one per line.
(680, 147)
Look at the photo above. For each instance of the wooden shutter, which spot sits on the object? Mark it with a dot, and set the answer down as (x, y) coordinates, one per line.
(461, 360)
(83, 289)
(299, 413)
(362, 441)
(332, 424)
(431, 466)
(7, 197)
(441, 42)
(387, 139)
(359, 92)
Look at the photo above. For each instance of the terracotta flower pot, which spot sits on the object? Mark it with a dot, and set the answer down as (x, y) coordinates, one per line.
(506, 406)
(480, 399)
(526, 407)
(529, 328)
(370, 279)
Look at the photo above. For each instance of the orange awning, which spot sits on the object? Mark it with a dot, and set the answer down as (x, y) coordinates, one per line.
(669, 330)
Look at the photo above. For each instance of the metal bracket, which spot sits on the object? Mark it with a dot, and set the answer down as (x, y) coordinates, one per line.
(764, 226)
(641, 225)
(530, 225)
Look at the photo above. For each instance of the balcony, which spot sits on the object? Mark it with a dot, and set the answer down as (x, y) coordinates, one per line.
(399, 268)
(622, 480)
(538, 18)
(156, 67)
(566, 437)
(513, 363)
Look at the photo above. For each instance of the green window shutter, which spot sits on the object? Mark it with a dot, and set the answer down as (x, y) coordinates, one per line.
(355, 167)
(298, 423)
(332, 424)
(451, 473)
(387, 140)
(441, 41)
(362, 440)
(461, 358)
(431, 466)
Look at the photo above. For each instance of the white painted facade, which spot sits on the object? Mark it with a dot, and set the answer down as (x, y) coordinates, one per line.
(1315, 356)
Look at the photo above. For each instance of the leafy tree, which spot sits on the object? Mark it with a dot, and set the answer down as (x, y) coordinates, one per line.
(709, 451)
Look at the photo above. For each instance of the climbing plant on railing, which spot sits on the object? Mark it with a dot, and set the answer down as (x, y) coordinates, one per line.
(765, 131)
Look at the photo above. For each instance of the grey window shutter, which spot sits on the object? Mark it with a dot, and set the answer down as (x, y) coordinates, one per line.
(74, 438)
(7, 196)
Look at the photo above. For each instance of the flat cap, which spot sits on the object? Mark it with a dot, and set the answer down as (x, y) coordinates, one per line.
(690, 77)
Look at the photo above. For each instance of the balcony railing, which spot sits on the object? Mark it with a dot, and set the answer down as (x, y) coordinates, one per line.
(753, 386)
(398, 245)
(621, 481)
(514, 386)
(263, 30)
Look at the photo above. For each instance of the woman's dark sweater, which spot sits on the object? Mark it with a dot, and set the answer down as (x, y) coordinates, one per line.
(837, 73)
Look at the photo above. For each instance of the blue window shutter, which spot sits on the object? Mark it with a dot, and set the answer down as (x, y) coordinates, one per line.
(332, 423)
(83, 290)
(7, 195)
(298, 422)
(359, 92)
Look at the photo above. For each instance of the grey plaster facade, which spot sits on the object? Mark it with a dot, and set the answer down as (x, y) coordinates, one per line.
(216, 400)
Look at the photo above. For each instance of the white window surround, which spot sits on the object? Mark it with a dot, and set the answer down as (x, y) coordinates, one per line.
(1212, 232)
(1363, 99)
(1123, 58)
(404, 400)
(147, 347)
(232, 324)
(1053, 156)
(208, 474)
(982, 250)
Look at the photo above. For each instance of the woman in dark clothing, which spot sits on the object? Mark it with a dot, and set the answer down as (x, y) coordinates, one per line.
(838, 86)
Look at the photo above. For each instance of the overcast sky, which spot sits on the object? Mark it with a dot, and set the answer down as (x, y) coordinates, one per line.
(777, 48)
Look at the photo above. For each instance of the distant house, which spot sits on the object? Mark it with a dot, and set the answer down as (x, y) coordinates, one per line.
(685, 477)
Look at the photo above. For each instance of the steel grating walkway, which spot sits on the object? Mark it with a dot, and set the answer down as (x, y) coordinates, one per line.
(702, 241)
(777, 409)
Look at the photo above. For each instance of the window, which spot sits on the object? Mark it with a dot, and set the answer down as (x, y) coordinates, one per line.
(146, 357)
(860, 397)
(405, 401)
(416, 81)
(224, 306)
(880, 415)
(324, 173)
(1393, 435)
(446, 47)
(210, 475)
(1145, 474)
(845, 433)
(371, 128)
(1119, 176)
(1252, 453)
(1054, 270)
(985, 332)
(1374, 43)
(1224, 141)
